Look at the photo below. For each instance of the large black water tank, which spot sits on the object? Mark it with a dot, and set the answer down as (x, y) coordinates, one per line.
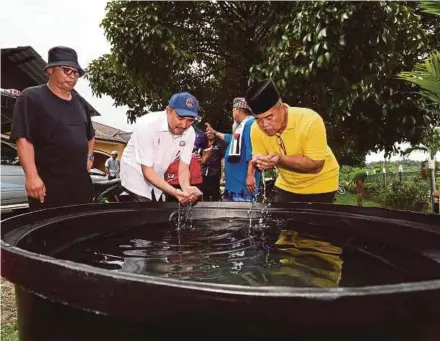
(63, 300)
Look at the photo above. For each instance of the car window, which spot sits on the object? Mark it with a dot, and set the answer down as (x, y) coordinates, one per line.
(9, 155)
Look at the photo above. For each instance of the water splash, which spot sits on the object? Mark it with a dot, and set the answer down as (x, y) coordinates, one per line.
(250, 213)
(184, 217)
(264, 188)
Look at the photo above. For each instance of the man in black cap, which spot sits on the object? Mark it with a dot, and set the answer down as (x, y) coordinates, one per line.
(55, 137)
(294, 141)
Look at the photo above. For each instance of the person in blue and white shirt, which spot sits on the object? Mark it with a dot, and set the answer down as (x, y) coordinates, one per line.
(157, 140)
(112, 166)
(241, 178)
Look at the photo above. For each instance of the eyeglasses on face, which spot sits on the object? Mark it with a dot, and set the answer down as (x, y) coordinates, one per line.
(69, 72)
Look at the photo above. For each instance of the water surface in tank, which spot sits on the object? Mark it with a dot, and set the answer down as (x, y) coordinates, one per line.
(278, 252)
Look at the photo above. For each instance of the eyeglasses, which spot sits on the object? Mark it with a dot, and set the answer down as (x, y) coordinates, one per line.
(280, 143)
(70, 72)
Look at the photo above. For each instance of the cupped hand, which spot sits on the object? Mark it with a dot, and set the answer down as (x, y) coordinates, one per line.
(194, 193)
(181, 196)
(266, 162)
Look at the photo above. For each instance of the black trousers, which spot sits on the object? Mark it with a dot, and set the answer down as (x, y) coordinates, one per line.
(281, 195)
(78, 191)
(211, 188)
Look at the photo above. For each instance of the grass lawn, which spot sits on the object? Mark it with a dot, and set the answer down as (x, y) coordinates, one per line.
(350, 199)
(9, 331)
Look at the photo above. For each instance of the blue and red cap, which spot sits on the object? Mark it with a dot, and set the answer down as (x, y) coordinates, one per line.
(185, 104)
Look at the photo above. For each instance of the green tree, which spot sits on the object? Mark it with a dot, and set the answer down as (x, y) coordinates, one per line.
(346, 69)
(339, 58)
(427, 74)
(207, 48)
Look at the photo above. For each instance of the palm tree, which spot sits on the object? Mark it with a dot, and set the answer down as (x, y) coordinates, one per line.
(427, 74)
(430, 145)
(432, 7)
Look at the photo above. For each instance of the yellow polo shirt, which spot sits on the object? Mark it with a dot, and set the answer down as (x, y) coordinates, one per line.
(304, 135)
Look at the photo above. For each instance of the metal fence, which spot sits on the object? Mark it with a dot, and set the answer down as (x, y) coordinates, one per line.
(404, 176)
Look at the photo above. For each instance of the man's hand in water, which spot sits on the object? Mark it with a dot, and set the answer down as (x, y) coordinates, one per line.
(194, 194)
(181, 196)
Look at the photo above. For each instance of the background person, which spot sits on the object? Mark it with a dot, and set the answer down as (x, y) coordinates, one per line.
(112, 166)
(241, 178)
(55, 136)
(212, 169)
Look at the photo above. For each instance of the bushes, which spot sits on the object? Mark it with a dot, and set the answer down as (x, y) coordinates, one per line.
(412, 196)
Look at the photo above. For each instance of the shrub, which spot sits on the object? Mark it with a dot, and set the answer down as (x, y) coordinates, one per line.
(373, 188)
(412, 196)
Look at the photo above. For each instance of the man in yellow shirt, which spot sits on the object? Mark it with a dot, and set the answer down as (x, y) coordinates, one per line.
(294, 141)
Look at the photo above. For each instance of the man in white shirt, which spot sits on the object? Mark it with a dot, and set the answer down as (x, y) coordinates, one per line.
(112, 166)
(158, 139)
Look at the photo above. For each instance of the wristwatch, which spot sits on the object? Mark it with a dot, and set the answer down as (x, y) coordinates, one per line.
(91, 157)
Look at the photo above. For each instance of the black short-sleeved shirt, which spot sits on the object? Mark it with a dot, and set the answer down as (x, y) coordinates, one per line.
(59, 131)
(214, 165)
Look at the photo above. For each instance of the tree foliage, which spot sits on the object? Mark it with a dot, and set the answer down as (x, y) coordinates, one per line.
(427, 74)
(338, 58)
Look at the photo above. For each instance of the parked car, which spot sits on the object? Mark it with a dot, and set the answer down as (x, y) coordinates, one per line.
(13, 191)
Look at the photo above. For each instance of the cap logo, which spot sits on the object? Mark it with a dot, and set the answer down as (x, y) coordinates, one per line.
(190, 102)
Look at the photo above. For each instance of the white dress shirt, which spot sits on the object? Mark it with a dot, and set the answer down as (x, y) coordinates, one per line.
(153, 145)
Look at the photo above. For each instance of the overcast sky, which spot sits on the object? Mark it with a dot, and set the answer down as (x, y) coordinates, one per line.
(43, 24)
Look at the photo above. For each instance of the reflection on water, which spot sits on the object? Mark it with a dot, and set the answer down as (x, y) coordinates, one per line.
(227, 251)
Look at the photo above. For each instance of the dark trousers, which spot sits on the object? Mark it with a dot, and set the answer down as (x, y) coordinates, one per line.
(281, 195)
(79, 191)
(211, 188)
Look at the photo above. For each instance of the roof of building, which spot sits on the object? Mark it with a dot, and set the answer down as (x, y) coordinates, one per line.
(105, 132)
